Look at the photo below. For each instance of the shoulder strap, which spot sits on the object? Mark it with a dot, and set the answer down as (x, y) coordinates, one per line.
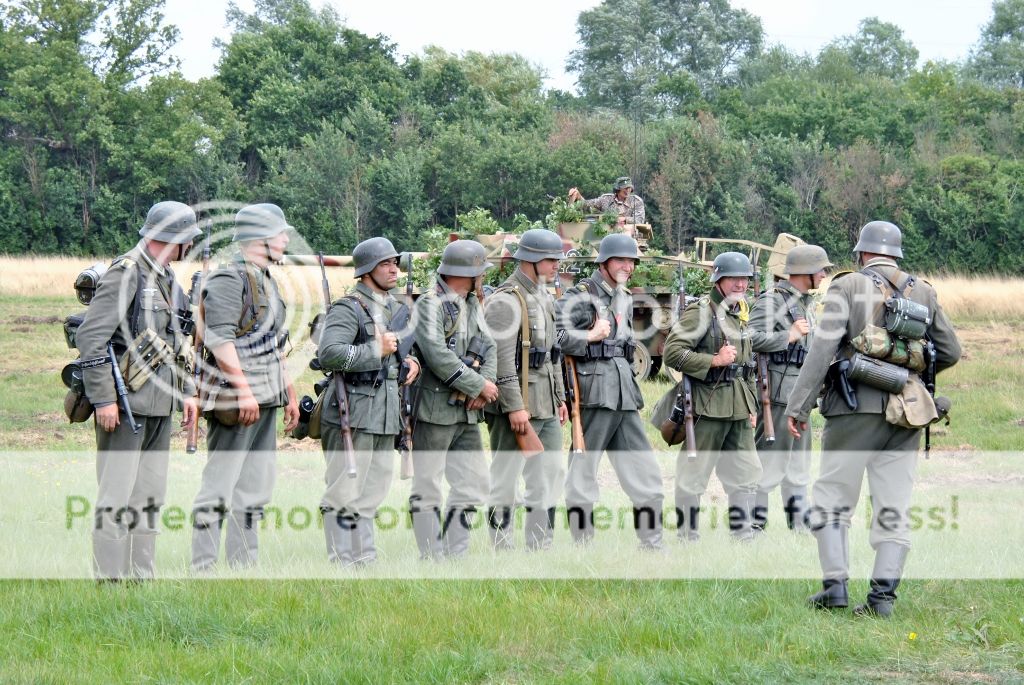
(453, 312)
(524, 343)
(361, 332)
(249, 294)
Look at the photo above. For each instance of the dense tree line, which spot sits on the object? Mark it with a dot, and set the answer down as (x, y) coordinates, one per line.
(722, 134)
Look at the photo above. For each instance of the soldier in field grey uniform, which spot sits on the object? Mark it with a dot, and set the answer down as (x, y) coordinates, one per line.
(858, 439)
(597, 319)
(539, 401)
(360, 344)
(244, 384)
(447, 443)
(138, 292)
(711, 344)
(781, 326)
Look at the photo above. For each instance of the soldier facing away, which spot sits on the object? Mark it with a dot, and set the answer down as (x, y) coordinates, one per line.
(359, 343)
(521, 317)
(457, 380)
(712, 345)
(246, 383)
(781, 326)
(597, 319)
(861, 433)
(137, 298)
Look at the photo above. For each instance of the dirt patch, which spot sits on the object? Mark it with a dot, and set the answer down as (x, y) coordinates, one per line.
(20, 329)
(36, 319)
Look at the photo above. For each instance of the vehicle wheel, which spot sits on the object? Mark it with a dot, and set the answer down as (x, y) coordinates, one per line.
(641, 363)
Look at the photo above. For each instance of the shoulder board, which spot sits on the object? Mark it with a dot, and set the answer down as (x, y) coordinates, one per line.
(581, 287)
(124, 262)
(840, 274)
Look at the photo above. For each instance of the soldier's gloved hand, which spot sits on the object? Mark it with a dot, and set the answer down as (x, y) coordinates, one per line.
(799, 329)
(388, 344)
(108, 417)
(601, 330)
(724, 356)
(414, 370)
(519, 420)
(490, 391)
(189, 412)
(248, 408)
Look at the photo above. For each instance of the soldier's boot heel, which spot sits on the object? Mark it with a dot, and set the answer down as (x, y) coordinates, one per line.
(426, 527)
(339, 533)
(885, 578)
(580, 520)
(834, 555)
(833, 595)
(110, 557)
(648, 525)
(741, 508)
(499, 519)
(688, 518)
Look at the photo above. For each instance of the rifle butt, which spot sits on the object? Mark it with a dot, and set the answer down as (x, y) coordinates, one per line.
(405, 471)
(529, 442)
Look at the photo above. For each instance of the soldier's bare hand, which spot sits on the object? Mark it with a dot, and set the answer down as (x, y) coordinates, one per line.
(248, 409)
(490, 391)
(291, 414)
(563, 414)
(753, 420)
(575, 194)
(414, 371)
(108, 417)
(189, 412)
(799, 329)
(388, 344)
(795, 426)
(601, 330)
(520, 421)
(476, 403)
(724, 356)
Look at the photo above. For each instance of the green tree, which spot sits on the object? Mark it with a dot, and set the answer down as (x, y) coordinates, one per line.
(878, 48)
(998, 57)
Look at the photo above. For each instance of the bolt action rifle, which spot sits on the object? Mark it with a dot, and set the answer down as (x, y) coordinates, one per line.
(339, 386)
(572, 391)
(199, 346)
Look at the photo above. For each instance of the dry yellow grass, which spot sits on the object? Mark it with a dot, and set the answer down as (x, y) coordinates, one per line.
(963, 297)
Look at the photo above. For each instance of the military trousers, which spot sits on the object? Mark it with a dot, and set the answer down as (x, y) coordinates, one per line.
(725, 447)
(375, 465)
(851, 445)
(131, 477)
(787, 461)
(454, 453)
(543, 475)
(238, 479)
(621, 434)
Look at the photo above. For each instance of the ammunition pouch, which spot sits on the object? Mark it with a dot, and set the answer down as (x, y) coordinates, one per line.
(556, 353)
(906, 319)
(610, 349)
(143, 357)
(538, 357)
(877, 374)
(259, 343)
(727, 374)
(186, 324)
(372, 378)
(793, 355)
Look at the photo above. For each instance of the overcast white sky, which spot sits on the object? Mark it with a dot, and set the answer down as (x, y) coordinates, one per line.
(544, 31)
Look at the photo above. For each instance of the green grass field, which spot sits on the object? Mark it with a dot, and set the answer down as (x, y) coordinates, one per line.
(386, 624)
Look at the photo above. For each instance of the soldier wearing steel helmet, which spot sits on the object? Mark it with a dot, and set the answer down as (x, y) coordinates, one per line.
(453, 389)
(137, 295)
(596, 323)
(530, 394)
(711, 344)
(621, 200)
(245, 384)
(360, 344)
(858, 437)
(781, 327)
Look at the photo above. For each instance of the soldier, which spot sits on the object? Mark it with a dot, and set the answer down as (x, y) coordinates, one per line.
(781, 326)
(628, 206)
(137, 298)
(454, 386)
(858, 438)
(530, 393)
(596, 318)
(359, 343)
(712, 345)
(244, 318)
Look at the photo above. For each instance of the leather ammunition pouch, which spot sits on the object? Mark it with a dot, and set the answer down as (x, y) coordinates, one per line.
(610, 349)
(146, 353)
(727, 374)
(793, 355)
(538, 357)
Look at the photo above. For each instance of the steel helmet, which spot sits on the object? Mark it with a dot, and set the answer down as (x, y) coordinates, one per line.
(259, 222)
(731, 265)
(369, 253)
(617, 245)
(464, 258)
(806, 259)
(170, 222)
(537, 244)
(880, 237)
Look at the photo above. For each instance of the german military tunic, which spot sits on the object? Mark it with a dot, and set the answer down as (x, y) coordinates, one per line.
(632, 208)
(770, 321)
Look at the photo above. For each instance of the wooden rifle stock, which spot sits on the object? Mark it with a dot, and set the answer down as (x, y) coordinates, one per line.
(529, 442)
(339, 385)
(764, 383)
(572, 391)
(405, 471)
(199, 348)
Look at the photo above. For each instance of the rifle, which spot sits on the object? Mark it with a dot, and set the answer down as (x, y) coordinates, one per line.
(404, 443)
(682, 415)
(339, 385)
(572, 391)
(122, 391)
(764, 383)
(199, 347)
(929, 383)
(474, 357)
